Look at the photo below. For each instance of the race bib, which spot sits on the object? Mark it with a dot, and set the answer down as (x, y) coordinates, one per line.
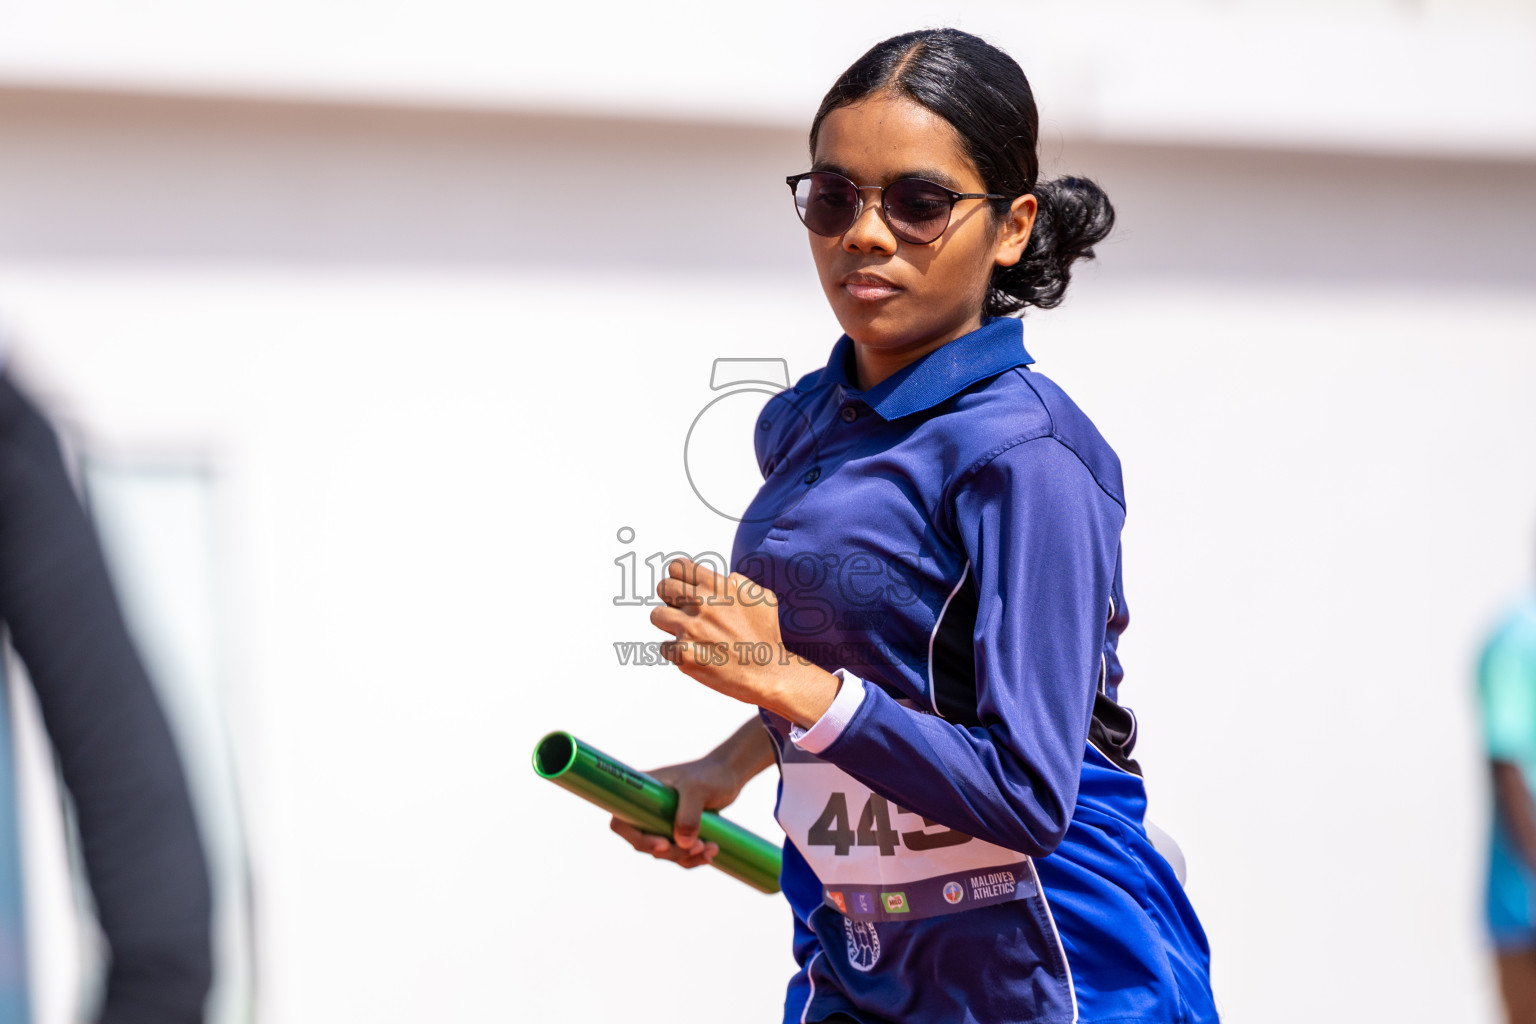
(880, 862)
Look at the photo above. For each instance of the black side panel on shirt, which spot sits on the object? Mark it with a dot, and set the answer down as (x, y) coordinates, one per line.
(1113, 731)
(952, 657)
(953, 661)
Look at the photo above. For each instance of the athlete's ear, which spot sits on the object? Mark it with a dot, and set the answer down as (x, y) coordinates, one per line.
(1013, 235)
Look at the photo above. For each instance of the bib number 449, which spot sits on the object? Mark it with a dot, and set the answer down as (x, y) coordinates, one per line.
(835, 828)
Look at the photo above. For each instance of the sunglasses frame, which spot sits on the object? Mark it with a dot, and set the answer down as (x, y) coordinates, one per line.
(858, 209)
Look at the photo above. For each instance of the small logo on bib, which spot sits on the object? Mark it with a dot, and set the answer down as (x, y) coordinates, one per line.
(863, 944)
(895, 902)
(953, 893)
(837, 901)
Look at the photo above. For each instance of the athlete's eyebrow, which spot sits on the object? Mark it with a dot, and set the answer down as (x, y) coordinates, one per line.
(936, 176)
(832, 168)
(928, 173)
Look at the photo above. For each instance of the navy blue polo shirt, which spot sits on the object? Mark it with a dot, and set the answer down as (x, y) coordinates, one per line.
(965, 826)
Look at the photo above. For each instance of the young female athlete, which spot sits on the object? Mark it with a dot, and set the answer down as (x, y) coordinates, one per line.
(925, 596)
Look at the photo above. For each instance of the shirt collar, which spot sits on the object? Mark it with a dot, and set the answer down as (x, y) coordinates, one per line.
(995, 346)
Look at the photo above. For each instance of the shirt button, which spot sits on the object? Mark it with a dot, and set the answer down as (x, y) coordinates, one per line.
(812, 474)
(850, 414)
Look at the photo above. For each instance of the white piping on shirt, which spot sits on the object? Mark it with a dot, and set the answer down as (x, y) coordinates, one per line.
(933, 693)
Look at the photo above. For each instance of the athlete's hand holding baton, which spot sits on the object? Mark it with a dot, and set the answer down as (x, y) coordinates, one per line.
(708, 784)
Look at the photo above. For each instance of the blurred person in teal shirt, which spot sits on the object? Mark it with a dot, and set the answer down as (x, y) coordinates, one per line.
(1506, 678)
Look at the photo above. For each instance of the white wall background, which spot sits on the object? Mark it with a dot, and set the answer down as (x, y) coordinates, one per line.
(442, 351)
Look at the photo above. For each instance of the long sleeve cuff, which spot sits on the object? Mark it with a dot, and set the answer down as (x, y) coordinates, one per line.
(835, 719)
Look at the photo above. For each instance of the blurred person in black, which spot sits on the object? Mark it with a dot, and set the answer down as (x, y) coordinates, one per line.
(139, 839)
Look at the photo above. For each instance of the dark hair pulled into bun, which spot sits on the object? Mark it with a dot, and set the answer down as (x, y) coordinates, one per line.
(983, 94)
(1074, 216)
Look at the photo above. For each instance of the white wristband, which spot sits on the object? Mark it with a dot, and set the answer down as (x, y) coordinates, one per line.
(835, 719)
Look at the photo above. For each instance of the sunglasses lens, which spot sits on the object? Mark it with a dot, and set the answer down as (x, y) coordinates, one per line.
(826, 203)
(918, 210)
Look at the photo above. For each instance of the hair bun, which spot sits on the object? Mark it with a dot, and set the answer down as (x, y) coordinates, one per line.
(1074, 216)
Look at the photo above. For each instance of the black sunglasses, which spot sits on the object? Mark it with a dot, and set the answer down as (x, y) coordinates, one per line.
(916, 209)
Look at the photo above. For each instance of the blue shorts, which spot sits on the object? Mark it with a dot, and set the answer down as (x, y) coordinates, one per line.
(1511, 894)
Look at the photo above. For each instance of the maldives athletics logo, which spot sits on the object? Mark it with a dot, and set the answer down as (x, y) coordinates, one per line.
(953, 893)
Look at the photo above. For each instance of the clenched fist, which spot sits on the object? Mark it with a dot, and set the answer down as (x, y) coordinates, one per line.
(726, 635)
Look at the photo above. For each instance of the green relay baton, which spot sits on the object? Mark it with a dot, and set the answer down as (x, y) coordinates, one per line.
(649, 805)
